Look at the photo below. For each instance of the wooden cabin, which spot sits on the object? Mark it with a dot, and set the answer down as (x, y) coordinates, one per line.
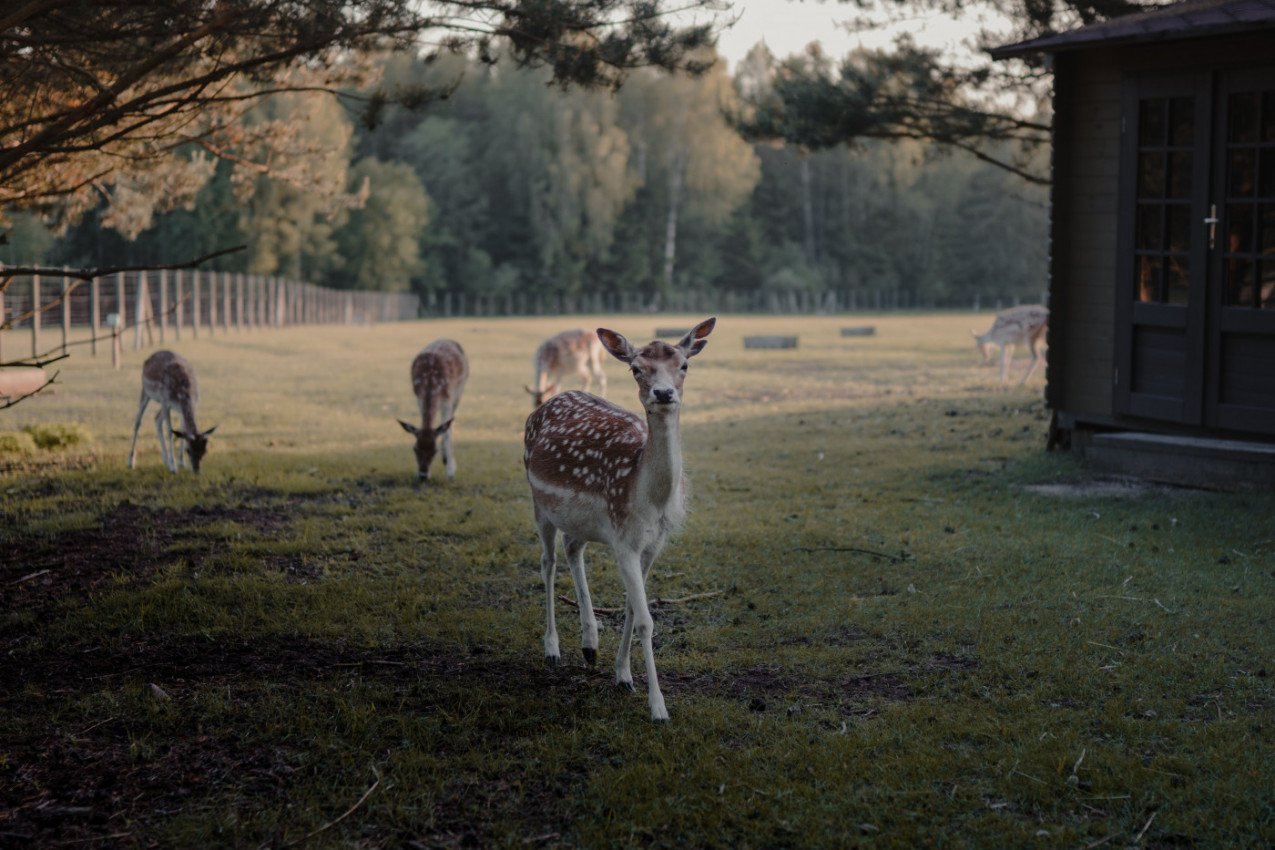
(1162, 266)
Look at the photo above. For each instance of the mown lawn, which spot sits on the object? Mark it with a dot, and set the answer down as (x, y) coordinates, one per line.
(911, 627)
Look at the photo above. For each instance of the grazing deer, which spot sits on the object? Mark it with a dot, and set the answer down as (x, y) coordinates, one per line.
(169, 379)
(439, 374)
(1024, 325)
(570, 352)
(601, 473)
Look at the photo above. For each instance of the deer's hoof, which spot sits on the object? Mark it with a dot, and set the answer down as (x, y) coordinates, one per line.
(590, 656)
(552, 660)
(626, 686)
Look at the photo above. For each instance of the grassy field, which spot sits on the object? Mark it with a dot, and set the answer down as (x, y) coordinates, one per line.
(913, 626)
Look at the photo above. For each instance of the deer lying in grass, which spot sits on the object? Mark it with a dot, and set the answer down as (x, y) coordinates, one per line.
(169, 379)
(1024, 325)
(439, 374)
(569, 353)
(601, 473)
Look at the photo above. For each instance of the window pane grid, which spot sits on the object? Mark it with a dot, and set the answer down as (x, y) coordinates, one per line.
(1166, 136)
(1249, 226)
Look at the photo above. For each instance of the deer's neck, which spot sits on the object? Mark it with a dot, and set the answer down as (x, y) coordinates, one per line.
(187, 408)
(429, 406)
(660, 476)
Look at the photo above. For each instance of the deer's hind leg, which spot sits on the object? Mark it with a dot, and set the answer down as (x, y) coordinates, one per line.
(548, 568)
(588, 620)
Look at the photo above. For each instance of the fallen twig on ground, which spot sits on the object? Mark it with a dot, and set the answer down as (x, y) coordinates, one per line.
(659, 600)
(348, 812)
(875, 554)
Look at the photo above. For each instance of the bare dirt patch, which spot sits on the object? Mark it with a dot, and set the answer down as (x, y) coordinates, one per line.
(38, 574)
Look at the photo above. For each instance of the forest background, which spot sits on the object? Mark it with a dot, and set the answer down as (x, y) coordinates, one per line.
(513, 184)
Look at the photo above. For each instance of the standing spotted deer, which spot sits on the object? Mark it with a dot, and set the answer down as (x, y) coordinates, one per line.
(169, 379)
(601, 473)
(1016, 326)
(439, 374)
(569, 353)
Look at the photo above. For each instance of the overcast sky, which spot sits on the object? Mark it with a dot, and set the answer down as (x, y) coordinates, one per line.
(787, 26)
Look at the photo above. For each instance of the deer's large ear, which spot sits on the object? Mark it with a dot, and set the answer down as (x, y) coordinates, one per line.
(208, 433)
(617, 345)
(697, 337)
(178, 434)
(443, 429)
(411, 429)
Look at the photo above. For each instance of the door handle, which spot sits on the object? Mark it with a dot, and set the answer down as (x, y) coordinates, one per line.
(1212, 222)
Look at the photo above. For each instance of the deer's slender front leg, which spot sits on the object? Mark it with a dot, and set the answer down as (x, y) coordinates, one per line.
(588, 621)
(449, 458)
(643, 627)
(165, 438)
(1007, 354)
(137, 424)
(548, 567)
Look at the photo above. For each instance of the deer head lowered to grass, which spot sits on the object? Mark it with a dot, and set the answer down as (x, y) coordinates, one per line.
(1024, 325)
(169, 379)
(439, 374)
(603, 474)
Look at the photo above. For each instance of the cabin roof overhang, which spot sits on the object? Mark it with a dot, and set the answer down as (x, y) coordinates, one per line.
(1194, 19)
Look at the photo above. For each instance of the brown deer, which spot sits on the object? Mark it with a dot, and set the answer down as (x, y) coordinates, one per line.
(601, 473)
(439, 374)
(169, 379)
(576, 352)
(1024, 325)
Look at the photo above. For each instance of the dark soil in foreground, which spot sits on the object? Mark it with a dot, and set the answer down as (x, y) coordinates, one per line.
(68, 779)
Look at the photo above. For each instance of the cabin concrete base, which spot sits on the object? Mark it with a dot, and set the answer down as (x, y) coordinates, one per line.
(1187, 461)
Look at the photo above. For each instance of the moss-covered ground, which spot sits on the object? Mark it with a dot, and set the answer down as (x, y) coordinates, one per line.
(911, 625)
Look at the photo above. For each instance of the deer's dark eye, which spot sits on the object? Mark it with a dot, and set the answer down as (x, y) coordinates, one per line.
(636, 370)
(686, 366)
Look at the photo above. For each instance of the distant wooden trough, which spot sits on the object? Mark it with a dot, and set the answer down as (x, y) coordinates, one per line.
(770, 342)
(672, 332)
(862, 330)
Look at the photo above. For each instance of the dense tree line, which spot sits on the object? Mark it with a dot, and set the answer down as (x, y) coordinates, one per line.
(514, 185)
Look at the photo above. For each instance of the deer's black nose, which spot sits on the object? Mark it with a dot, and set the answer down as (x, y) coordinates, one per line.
(663, 396)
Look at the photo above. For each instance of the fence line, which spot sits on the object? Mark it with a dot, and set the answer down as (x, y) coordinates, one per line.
(159, 306)
(824, 302)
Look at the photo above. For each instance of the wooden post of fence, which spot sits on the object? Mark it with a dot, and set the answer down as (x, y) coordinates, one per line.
(163, 304)
(121, 306)
(35, 315)
(177, 305)
(194, 303)
(212, 303)
(138, 315)
(225, 301)
(239, 301)
(66, 310)
(95, 314)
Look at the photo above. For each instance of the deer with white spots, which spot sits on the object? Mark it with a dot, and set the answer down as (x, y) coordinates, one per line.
(600, 473)
(1016, 326)
(569, 353)
(439, 374)
(169, 379)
